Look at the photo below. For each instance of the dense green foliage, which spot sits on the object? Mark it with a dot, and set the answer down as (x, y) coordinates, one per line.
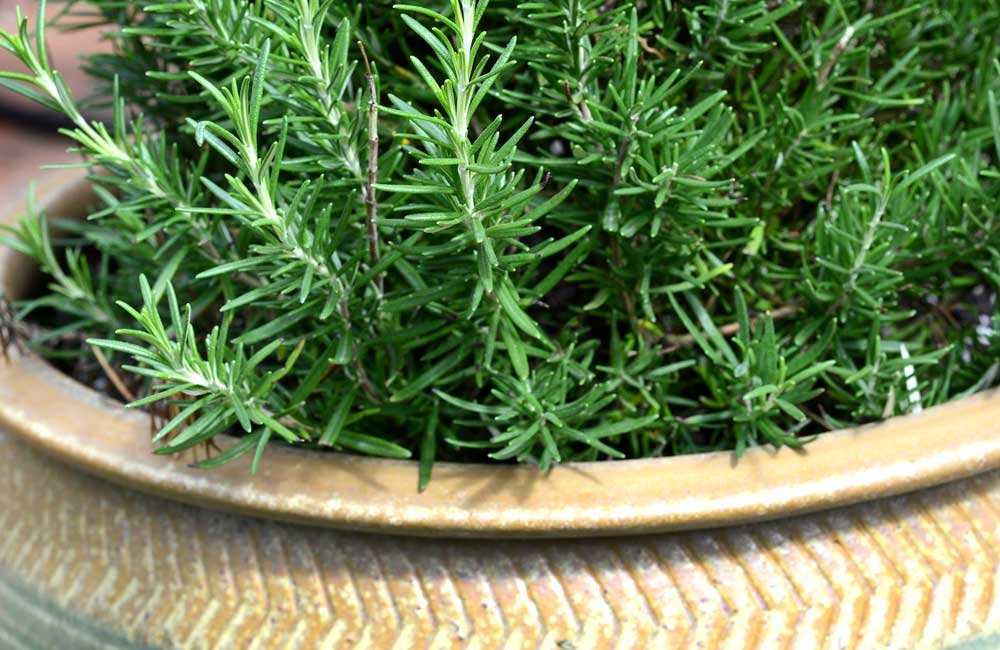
(542, 230)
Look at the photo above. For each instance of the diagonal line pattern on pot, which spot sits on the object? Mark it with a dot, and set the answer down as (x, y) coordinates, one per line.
(963, 530)
(912, 571)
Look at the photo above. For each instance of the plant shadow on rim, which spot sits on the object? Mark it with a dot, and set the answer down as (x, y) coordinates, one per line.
(72, 422)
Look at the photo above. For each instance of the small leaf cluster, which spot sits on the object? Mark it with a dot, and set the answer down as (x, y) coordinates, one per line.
(532, 230)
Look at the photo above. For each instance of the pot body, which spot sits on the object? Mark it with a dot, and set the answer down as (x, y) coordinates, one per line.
(87, 564)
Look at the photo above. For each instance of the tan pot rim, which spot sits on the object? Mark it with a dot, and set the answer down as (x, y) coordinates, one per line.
(96, 434)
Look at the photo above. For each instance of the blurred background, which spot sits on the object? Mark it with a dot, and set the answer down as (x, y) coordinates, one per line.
(28, 137)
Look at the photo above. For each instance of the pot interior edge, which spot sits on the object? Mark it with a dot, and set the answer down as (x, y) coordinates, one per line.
(65, 195)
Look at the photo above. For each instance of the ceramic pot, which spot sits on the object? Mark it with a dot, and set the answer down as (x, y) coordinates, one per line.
(136, 549)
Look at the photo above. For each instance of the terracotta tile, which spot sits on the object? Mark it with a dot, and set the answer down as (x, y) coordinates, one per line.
(66, 50)
(23, 151)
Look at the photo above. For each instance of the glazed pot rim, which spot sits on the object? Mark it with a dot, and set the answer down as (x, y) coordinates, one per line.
(70, 421)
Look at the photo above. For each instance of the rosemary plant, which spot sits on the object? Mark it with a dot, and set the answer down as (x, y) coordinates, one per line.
(535, 230)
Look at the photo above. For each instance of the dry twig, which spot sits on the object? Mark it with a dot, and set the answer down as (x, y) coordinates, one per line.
(371, 207)
(112, 375)
(676, 342)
